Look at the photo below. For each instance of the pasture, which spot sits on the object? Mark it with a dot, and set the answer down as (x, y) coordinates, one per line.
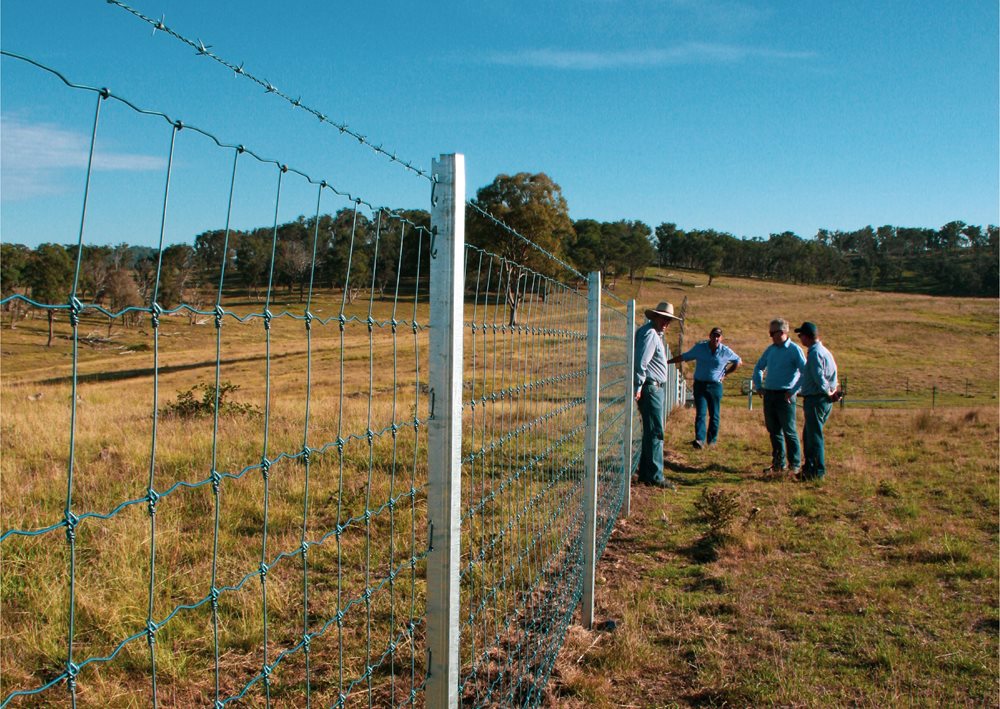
(877, 586)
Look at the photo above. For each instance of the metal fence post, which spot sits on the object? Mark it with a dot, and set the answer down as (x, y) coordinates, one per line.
(590, 446)
(629, 403)
(669, 390)
(444, 428)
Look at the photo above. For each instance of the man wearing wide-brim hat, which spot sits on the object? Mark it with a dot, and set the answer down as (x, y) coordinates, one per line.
(649, 379)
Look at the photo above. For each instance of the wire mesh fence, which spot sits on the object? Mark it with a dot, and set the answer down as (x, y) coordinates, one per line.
(264, 550)
(265, 536)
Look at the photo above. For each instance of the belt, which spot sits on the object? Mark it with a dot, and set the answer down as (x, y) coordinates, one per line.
(655, 383)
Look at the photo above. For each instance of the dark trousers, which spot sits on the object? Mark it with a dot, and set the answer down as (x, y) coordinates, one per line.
(817, 410)
(779, 418)
(651, 411)
(707, 398)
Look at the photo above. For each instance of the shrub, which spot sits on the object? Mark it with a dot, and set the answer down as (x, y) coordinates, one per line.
(188, 405)
(718, 509)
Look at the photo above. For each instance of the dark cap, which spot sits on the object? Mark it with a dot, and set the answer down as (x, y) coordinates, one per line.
(716, 331)
(807, 328)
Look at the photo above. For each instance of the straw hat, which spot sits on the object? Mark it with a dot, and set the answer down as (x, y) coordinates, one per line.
(665, 309)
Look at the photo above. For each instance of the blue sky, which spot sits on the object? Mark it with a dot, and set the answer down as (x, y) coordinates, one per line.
(746, 117)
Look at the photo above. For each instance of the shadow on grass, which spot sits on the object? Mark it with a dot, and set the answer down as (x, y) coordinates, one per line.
(682, 468)
(704, 549)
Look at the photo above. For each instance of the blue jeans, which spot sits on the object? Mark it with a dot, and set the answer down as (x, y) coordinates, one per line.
(651, 411)
(817, 410)
(707, 398)
(779, 418)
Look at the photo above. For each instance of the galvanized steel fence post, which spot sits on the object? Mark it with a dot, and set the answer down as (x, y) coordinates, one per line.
(444, 429)
(590, 449)
(629, 405)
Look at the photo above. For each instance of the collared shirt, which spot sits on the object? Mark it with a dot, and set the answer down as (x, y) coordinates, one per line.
(710, 366)
(784, 364)
(820, 375)
(650, 357)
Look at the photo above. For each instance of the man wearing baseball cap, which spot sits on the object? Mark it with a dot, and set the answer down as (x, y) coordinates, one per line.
(713, 362)
(649, 377)
(819, 389)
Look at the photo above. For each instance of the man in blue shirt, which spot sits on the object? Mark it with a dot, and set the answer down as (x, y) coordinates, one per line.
(649, 378)
(783, 361)
(819, 387)
(713, 362)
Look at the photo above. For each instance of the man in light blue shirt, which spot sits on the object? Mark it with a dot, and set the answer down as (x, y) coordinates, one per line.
(819, 386)
(783, 362)
(649, 377)
(713, 361)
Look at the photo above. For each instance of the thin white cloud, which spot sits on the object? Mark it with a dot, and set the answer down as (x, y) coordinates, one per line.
(688, 53)
(33, 157)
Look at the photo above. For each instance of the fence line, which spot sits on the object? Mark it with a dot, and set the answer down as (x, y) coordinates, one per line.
(467, 601)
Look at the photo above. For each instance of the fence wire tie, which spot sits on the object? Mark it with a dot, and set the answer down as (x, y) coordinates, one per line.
(72, 670)
(264, 568)
(71, 522)
(308, 317)
(265, 467)
(151, 629)
(219, 313)
(267, 318)
(152, 497)
(154, 314)
(216, 478)
(214, 598)
(75, 307)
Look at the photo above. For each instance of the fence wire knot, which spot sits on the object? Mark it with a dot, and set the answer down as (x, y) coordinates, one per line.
(72, 670)
(154, 314)
(151, 629)
(75, 306)
(152, 497)
(219, 314)
(264, 568)
(214, 596)
(267, 318)
(71, 522)
(216, 478)
(308, 317)
(265, 468)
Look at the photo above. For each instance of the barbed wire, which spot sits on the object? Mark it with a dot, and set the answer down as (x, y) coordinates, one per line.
(204, 50)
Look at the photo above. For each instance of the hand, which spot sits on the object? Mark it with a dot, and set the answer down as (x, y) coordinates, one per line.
(638, 394)
(788, 397)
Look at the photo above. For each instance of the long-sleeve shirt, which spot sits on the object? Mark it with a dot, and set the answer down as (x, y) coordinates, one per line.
(650, 356)
(784, 364)
(710, 366)
(820, 374)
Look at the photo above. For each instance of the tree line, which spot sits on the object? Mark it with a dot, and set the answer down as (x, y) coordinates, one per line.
(354, 251)
(957, 259)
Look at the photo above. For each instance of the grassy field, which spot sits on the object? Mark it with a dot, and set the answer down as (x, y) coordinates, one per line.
(877, 586)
